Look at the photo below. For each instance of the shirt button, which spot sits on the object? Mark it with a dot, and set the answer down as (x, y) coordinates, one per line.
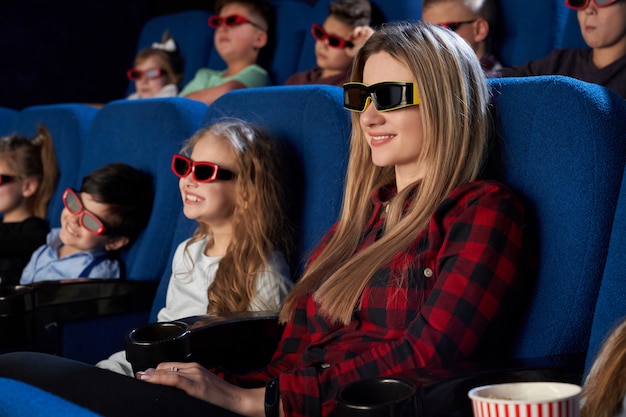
(428, 272)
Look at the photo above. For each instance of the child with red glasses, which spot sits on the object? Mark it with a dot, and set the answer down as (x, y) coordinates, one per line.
(28, 175)
(158, 70)
(241, 31)
(234, 261)
(108, 213)
(603, 27)
(476, 21)
(345, 29)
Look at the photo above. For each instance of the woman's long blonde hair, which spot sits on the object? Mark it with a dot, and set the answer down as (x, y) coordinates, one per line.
(33, 158)
(453, 98)
(605, 386)
(260, 224)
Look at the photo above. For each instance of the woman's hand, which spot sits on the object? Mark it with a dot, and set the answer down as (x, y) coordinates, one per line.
(199, 382)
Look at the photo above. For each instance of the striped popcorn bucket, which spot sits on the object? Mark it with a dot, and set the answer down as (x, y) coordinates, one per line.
(526, 399)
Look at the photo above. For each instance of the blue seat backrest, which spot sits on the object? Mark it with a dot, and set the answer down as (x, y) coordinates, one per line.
(563, 143)
(20, 399)
(569, 35)
(184, 230)
(145, 134)
(69, 125)
(611, 305)
(529, 30)
(312, 125)
(191, 31)
(397, 10)
(8, 118)
(281, 56)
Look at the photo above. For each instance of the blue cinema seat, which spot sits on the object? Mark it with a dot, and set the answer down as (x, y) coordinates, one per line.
(69, 125)
(7, 120)
(193, 36)
(87, 320)
(610, 307)
(563, 146)
(19, 399)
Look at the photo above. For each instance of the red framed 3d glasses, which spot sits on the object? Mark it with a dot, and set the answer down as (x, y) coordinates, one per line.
(454, 26)
(335, 41)
(152, 73)
(582, 4)
(86, 219)
(217, 21)
(200, 171)
(5, 179)
(386, 95)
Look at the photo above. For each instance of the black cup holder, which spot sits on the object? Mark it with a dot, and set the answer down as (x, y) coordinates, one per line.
(149, 345)
(377, 397)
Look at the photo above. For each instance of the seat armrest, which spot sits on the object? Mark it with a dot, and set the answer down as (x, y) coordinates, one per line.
(235, 342)
(26, 311)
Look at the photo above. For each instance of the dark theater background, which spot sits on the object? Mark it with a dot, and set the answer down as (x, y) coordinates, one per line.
(71, 50)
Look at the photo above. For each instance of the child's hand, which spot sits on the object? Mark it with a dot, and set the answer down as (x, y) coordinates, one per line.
(359, 35)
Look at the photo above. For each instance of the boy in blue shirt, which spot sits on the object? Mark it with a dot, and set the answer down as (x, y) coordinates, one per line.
(108, 213)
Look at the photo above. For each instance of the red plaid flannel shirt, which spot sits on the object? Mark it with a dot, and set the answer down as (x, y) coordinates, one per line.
(472, 256)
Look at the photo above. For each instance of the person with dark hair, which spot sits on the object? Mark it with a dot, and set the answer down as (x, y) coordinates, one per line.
(338, 40)
(476, 21)
(603, 27)
(108, 213)
(28, 175)
(241, 31)
(158, 70)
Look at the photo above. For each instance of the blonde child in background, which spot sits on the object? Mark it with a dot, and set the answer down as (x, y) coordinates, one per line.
(241, 30)
(344, 31)
(28, 175)
(158, 70)
(108, 213)
(603, 27)
(473, 20)
(230, 184)
(604, 389)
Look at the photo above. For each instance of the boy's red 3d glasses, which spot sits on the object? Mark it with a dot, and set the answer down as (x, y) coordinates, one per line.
(217, 21)
(5, 179)
(453, 26)
(386, 95)
(200, 171)
(135, 74)
(86, 219)
(335, 41)
(582, 4)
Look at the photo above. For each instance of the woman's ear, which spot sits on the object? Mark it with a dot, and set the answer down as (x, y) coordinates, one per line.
(116, 242)
(29, 186)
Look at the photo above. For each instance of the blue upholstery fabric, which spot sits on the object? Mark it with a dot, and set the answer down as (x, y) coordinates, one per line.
(69, 126)
(313, 126)
(7, 120)
(529, 30)
(145, 134)
(191, 31)
(611, 304)
(563, 145)
(184, 230)
(280, 57)
(19, 399)
(399, 9)
(569, 36)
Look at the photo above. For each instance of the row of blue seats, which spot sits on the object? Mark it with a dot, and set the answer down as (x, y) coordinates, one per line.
(146, 133)
(563, 148)
(531, 30)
